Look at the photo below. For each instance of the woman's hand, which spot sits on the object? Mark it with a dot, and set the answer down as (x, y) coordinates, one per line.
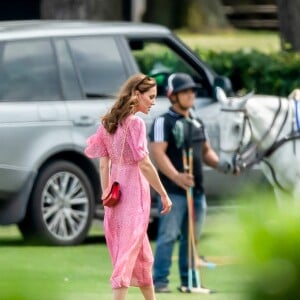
(166, 204)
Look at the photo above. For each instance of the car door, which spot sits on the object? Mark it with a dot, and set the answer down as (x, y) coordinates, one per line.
(30, 104)
(98, 72)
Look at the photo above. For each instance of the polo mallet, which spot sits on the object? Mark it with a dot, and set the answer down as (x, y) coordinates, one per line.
(192, 249)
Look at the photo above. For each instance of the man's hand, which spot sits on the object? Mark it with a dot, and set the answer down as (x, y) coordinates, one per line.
(184, 180)
(223, 166)
(236, 171)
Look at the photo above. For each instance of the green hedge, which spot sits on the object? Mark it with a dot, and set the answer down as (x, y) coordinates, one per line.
(274, 74)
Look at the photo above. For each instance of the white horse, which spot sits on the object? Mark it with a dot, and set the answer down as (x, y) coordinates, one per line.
(261, 129)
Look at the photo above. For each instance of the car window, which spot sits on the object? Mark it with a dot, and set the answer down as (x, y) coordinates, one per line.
(69, 80)
(28, 71)
(158, 59)
(99, 65)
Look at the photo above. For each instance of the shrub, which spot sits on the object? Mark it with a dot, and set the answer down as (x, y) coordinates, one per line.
(274, 74)
(268, 243)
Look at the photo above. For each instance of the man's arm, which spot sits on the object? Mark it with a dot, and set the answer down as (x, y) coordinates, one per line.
(211, 158)
(164, 164)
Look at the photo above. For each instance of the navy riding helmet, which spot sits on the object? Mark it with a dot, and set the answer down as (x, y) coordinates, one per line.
(178, 82)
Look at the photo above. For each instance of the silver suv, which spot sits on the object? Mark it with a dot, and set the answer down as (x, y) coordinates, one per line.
(56, 80)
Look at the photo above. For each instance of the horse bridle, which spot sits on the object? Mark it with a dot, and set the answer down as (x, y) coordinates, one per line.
(245, 121)
(245, 156)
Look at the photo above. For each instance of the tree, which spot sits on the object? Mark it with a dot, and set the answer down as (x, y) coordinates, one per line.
(165, 12)
(289, 24)
(206, 14)
(194, 15)
(191, 14)
(81, 9)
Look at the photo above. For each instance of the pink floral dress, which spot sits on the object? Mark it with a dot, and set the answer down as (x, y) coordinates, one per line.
(125, 225)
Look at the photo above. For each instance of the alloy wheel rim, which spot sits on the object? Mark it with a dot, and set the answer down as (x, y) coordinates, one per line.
(65, 206)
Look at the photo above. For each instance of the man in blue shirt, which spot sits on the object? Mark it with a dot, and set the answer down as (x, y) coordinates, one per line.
(170, 133)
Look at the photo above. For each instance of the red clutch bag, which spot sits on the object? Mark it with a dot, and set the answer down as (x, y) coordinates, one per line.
(113, 197)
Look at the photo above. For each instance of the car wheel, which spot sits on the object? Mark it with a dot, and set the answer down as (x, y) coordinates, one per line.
(62, 204)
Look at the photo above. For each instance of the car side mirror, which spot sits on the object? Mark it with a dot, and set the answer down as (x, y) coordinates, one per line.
(225, 84)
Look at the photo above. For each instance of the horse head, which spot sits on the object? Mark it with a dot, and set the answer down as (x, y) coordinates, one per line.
(251, 132)
(234, 128)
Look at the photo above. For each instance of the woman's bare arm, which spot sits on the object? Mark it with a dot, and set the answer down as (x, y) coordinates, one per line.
(104, 166)
(150, 173)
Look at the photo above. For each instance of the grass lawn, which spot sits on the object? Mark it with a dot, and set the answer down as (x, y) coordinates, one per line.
(265, 41)
(82, 272)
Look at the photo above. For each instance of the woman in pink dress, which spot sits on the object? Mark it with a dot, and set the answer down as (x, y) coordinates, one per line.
(125, 225)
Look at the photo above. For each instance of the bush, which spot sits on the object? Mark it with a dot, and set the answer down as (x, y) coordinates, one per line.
(273, 74)
(268, 244)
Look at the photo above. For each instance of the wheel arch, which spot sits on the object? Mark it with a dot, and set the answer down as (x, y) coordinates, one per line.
(80, 160)
(30, 226)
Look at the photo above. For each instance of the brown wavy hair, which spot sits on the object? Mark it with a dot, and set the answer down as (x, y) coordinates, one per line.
(126, 101)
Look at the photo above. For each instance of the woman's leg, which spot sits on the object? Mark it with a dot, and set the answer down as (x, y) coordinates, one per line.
(120, 293)
(148, 292)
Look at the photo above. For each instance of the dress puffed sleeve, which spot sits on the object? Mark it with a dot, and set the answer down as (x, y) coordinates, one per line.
(137, 138)
(95, 144)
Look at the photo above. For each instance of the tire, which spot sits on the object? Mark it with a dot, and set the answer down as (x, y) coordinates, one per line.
(25, 227)
(61, 207)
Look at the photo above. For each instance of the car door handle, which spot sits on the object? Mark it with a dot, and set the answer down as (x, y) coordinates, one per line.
(84, 121)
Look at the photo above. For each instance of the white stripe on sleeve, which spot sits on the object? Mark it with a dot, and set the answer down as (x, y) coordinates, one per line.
(159, 130)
